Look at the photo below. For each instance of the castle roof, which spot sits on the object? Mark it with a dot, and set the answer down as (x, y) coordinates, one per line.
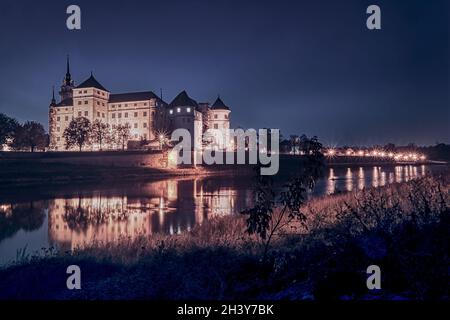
(219, 105)
(133, 96)
(182, 100)
(91, 82)
(65, 103)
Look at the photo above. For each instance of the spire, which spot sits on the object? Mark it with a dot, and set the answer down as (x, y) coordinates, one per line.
(53, 96)
(68, 78)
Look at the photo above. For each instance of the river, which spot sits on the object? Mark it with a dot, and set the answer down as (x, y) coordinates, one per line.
(65, 217)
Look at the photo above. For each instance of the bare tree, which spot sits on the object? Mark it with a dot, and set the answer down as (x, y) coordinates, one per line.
(123, 134)
(100, 132)
(78, 133)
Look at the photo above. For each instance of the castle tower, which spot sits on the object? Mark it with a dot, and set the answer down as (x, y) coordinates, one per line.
(51, 121)
(68, 84)
(219, 123)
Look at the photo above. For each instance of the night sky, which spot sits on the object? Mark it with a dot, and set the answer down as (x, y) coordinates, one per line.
(302, 66)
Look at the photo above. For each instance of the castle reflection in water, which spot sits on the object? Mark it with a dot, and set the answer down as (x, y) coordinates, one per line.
(170, 207)
(71, 217)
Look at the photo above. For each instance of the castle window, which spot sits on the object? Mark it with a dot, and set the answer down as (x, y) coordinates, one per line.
(85, 91)
(80, 92)
(79, 102)
(145, 113)
(178, 110)
(58, 138)
(79, 113)
(98, 114)
(98, 103)
(135, 114)
(226, 116)
(135, 125)
(144, 124)
(153, 113)
(216, 126)
(120, 106)
(216, 116)
(135, 104)
(171, 111)
(98, 92)
(86, 102)
(86, 113)
(103, 115)
(135, 136)
(67, 118)
(58, 118)
(58, 129)
(126, 104)
(126, 114)
(113, 115)
(120, 115)
(188, 109)
(145, 103)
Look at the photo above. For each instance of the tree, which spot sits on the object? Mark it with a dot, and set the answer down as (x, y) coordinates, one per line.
(77, 133)
(100, 132)
(271, 213)
(123, 134)
(7, 127)
(30, 135)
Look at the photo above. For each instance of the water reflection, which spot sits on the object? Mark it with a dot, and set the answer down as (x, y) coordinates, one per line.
(71, 218)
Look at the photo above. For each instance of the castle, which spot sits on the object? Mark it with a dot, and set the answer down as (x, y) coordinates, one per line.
(146, 114)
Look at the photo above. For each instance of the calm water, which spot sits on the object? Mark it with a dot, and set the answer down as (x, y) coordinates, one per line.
(66, 217)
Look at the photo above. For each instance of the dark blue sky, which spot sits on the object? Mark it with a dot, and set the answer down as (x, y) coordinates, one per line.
(302, 66)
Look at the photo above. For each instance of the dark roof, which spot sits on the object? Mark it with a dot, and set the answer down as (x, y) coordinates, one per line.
(134, 96)
(182, 99)
(219, 105)
(65, 103)
(91, 82)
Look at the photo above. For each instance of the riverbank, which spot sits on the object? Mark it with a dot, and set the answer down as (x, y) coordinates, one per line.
(18, 169)
(403, 228)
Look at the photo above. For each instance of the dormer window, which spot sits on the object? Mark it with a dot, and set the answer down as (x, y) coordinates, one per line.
(178, 110)
(188, 110)
(171, 111)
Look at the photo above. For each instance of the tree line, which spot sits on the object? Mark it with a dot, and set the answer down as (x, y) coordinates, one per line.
(82, 133)
(31, 135)
(27, 136)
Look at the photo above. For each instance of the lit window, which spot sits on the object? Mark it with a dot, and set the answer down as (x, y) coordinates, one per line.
(178, 109)
(188, 109)
(170, 111)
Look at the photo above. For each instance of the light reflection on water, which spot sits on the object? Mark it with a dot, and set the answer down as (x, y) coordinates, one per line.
(70, 218)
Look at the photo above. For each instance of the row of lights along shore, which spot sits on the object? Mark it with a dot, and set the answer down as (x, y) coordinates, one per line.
(405, 156)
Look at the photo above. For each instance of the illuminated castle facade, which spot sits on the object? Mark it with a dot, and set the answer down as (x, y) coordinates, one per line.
(146, 114)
